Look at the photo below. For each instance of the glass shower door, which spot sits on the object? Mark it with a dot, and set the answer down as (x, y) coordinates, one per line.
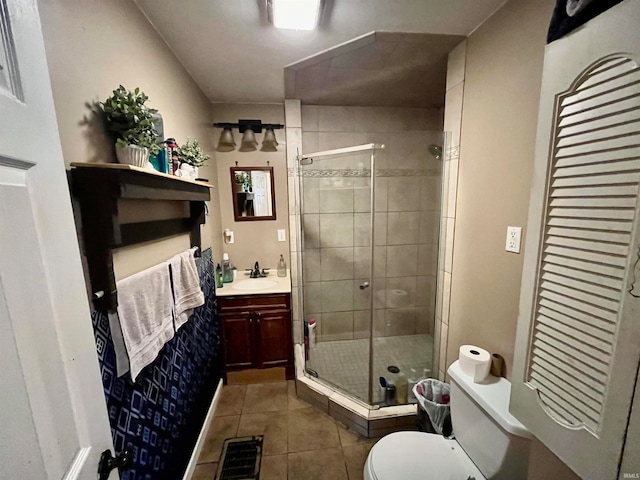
(408, 178)
(336, 222)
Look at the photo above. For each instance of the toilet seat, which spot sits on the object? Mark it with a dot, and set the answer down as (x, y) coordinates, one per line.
(417, 455)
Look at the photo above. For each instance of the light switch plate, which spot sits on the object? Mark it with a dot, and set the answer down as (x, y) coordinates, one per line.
(282, 235)
(514, 234)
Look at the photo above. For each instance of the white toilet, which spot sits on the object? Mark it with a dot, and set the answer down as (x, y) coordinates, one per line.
(490, 442)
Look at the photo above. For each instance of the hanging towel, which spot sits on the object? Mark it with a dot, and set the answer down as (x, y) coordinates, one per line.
(145, 315)
(187, 294)
(122, 358)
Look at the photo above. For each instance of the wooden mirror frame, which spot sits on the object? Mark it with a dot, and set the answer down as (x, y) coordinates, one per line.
(236, 211)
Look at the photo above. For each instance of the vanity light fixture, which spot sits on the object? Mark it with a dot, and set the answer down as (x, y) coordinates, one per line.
(249, 142)
(249, 129)
(269, 142)
(295, 14)
(226, 143)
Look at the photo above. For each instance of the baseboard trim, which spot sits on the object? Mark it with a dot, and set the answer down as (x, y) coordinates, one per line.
(193, 461)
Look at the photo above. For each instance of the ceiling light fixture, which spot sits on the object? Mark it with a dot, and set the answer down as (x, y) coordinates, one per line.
(248, 128)
(294, 14)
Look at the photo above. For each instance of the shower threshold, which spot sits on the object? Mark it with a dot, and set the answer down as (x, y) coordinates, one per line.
(367, 420)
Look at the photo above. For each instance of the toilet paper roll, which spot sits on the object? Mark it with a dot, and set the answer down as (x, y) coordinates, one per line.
(475, 362)
(497, 363)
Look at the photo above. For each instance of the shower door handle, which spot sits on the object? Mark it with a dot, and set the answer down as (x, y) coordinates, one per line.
(364, 285)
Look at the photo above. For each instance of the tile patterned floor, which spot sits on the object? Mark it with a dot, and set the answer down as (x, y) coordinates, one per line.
(345, 363)
(300, 442)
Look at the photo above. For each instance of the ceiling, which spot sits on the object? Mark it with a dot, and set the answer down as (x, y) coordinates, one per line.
(236, 56)
(380, 69)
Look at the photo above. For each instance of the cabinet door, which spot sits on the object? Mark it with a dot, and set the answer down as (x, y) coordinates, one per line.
(238, 340)
(274, 338)
(578, 338)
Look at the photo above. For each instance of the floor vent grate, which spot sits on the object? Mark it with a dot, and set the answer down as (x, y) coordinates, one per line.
(240, 459)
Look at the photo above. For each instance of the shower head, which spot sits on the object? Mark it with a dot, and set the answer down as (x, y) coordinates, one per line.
(436, 151)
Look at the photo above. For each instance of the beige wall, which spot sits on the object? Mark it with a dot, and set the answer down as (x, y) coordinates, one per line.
(92, 47)
(499, 116)
(254, 240)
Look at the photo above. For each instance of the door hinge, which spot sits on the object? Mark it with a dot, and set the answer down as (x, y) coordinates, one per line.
(108, 462)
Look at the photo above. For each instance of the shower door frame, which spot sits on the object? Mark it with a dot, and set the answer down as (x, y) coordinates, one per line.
(373, 147)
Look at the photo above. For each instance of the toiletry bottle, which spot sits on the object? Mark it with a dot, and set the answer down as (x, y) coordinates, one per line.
(312, 333)
(401, 388)
(411, 381)
(282, 267)
(382, 389)
(391, 397)
(219, 277)
(227, 271)
(391, 392)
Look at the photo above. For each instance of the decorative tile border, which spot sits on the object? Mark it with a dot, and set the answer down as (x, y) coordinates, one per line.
(388, 172)
(453, 153)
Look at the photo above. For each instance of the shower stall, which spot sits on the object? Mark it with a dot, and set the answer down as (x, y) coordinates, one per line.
(369, 220)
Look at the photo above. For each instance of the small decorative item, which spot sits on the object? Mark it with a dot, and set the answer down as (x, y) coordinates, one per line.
(191, 157)
(243, 181)
(131, 124)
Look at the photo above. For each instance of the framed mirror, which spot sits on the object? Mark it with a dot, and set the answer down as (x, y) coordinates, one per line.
(253, 193)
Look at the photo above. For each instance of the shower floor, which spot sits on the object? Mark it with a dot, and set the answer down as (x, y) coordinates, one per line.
(345, 363)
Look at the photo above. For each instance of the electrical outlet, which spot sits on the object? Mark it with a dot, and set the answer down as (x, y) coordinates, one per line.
(281, 235)
(513, 239)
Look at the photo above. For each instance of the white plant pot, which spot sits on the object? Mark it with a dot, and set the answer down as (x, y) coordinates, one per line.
(133, 155)
(187, 171)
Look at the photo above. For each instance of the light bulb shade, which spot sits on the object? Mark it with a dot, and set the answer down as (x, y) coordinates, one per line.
(269, 142)
(226, 142)
(249, 143)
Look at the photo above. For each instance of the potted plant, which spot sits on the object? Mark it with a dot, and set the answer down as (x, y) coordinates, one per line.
(191, 157)
(131, 125)
(243, 181)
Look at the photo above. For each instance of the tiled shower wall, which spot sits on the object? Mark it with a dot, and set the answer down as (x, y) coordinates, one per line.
(336, 218)
(452, 125)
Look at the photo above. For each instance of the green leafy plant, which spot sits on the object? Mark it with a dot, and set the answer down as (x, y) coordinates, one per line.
(129, 121)
(191, 153)
(243, 178)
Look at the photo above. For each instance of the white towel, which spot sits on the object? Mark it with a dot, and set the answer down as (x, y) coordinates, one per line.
(122, 358)
(145, 315)
(187, 294)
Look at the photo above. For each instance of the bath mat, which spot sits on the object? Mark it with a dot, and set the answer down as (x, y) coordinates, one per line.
(240, 459)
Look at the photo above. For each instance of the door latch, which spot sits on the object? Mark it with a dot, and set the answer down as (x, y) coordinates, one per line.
(108, 462)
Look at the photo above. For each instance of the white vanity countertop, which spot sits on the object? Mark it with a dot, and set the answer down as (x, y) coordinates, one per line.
(282, 285)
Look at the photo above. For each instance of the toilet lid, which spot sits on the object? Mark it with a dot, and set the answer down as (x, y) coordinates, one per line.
(417, 455)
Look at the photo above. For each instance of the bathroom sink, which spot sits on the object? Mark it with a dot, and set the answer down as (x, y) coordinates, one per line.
(254, 284)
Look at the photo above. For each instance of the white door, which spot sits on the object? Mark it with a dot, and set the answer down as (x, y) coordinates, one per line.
(261, 188)
(52, 407)
(578, 338)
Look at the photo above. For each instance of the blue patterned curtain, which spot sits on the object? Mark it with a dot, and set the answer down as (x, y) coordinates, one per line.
(160, 416)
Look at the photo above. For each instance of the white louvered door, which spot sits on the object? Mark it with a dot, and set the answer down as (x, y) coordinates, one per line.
(578, 340)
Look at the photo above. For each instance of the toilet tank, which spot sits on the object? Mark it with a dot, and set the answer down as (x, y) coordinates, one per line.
(493, 438)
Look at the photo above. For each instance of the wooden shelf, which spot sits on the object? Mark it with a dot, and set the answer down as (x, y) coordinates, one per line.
(99, 187)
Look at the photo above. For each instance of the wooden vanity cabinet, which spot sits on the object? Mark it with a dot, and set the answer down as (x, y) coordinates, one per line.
(256, 331)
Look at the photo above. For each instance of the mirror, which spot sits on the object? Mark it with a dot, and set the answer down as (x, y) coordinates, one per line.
(253, 193)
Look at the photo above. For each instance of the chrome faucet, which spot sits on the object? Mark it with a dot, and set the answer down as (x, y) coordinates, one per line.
(256, 273)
